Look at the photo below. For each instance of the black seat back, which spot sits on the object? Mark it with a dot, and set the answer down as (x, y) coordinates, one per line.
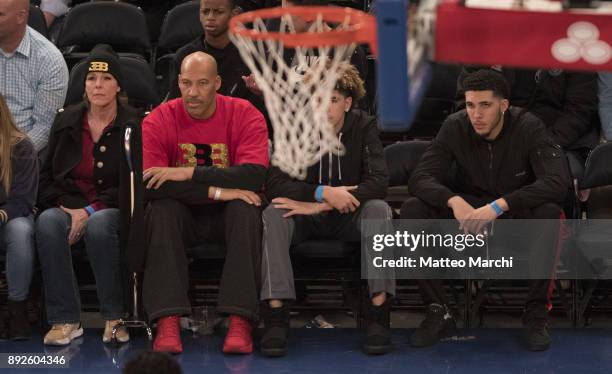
(181, 25)
(598, 171)
(121, 25)
(402, 158)
(36, 20)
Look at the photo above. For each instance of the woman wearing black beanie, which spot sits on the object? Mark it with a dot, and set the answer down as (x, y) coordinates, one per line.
(86, 196)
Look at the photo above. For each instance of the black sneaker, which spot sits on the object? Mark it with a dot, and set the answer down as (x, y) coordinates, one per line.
(377, 339)
(19, 326)
(276, 327)
(437, 324)
(535, 333)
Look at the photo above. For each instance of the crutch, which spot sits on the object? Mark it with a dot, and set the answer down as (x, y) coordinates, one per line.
(135, 321)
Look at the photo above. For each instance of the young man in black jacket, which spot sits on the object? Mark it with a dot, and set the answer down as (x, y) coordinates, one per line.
(336, 195)
(507, 165)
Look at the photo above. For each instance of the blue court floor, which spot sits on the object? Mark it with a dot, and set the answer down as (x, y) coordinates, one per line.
(337, 351)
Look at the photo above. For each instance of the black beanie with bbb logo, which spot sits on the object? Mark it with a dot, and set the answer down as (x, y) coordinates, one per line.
(104, 59)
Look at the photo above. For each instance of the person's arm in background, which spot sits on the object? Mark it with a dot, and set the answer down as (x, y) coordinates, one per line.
(22, 196)
(575, 119)
(605, 104)
(53, 9)
(50, 96)
(360, 61)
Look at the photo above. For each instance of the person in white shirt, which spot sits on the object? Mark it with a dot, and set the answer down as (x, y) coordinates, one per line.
(53, 9)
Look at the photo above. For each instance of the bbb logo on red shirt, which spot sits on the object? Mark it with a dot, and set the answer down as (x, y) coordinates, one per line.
(203, 155)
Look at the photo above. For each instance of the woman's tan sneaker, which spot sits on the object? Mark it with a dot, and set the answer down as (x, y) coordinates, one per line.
(63, 333)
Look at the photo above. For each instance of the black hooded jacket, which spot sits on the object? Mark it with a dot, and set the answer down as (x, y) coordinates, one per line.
(363, 165)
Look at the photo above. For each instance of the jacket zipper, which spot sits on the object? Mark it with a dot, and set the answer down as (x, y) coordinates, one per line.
(367, 159)
(490, 166)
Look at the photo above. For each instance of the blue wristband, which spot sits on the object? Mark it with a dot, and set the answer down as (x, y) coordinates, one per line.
(498, 210)
(319, 194)
(90, 210)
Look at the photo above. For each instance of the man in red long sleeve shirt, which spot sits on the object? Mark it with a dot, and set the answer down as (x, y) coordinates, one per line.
(205, 156)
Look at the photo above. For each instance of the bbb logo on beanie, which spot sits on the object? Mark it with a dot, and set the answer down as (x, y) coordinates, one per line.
(103, 59)
(98, 66)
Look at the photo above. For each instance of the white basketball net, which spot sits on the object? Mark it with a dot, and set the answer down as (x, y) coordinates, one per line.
(297, 94)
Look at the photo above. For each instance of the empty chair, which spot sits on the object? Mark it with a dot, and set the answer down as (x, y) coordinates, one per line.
(181, 25)
(402, 158)
(121, 25)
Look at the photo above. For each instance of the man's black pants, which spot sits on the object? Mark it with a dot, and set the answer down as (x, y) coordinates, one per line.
(432, 290)
(172, 227)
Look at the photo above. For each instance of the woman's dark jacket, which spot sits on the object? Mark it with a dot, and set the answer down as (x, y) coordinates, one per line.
(111, 173)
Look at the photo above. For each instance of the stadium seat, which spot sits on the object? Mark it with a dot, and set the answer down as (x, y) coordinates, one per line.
(314, 261)
(36, 20)
(121, 25)
(402, 158)
(594, 237)
(598, 171)
(137, 75)
(181, 25)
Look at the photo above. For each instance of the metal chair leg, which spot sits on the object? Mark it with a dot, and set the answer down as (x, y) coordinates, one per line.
(135, 320)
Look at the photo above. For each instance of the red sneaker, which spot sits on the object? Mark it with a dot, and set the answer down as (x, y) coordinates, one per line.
(168, 337)
(239, 338)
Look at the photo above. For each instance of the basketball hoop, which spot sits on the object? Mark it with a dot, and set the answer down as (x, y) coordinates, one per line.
(322, 37)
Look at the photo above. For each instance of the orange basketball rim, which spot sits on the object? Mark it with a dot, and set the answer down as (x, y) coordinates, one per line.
(357, 26)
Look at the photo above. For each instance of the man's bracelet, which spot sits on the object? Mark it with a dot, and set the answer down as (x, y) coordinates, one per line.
(217, 195)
